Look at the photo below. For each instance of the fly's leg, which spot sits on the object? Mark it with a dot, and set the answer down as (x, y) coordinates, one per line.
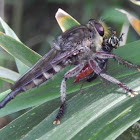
(115, 81)
(62, 98)
(97, 70)
(71, 73)
(56, 45)
(104, 55)
(94, 75)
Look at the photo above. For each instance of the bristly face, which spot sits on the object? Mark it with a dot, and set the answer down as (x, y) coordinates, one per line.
(114, 40)
(108, 43)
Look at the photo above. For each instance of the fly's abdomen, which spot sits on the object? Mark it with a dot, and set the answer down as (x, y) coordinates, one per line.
(31, 83)
(44, 76)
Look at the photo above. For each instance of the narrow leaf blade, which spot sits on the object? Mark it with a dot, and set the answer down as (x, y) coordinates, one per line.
(132, 20)
(18, 50)
(20, 65)
(88, 116)
(65, 21)
(8, 75)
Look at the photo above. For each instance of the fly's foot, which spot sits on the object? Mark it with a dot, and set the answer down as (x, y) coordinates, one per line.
(60, 114)
(56, 122)
(133, 93)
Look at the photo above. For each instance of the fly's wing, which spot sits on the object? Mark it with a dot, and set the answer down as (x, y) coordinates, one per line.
(46, 63)
(35, 70)
(53, 57)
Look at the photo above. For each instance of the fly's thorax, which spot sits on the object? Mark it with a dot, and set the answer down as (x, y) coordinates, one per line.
(87, 42)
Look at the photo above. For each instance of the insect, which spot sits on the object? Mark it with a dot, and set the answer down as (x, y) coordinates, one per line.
(83, 46)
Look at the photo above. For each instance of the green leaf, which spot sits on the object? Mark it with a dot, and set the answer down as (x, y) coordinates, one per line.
(100, 112)
(8, 75)
(8, 30)
(39, 112)
(65, 21)
(135, 23)
(21, 66)
(40, 95)
(4, 94)
(91, 116)
(18, 50)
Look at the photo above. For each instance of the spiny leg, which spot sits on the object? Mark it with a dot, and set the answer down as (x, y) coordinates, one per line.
(96, 68)
(105, 55)
(62, 98)
(71, 73)
(115, 81)
(102, 66)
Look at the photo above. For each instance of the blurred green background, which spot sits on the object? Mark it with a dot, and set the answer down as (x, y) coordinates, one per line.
(35, 24)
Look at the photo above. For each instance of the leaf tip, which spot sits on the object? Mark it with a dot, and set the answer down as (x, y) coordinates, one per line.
(60, 13)
(62, 16)
(137, 2)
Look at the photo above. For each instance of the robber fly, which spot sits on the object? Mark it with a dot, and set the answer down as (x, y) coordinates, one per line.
(83, 46)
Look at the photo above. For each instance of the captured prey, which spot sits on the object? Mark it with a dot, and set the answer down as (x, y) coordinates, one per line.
(87, 48)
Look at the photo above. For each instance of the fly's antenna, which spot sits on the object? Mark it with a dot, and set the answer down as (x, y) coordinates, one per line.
(121, 37)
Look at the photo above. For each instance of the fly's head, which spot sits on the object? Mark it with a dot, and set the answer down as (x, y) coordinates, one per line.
(99, 31)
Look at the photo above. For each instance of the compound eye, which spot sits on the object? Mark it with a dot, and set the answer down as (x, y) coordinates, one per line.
(99, 28)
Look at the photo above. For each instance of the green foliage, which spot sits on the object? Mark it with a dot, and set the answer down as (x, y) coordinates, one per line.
(18, 50)
(98, 112)
(8, 75)
(21, 67)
